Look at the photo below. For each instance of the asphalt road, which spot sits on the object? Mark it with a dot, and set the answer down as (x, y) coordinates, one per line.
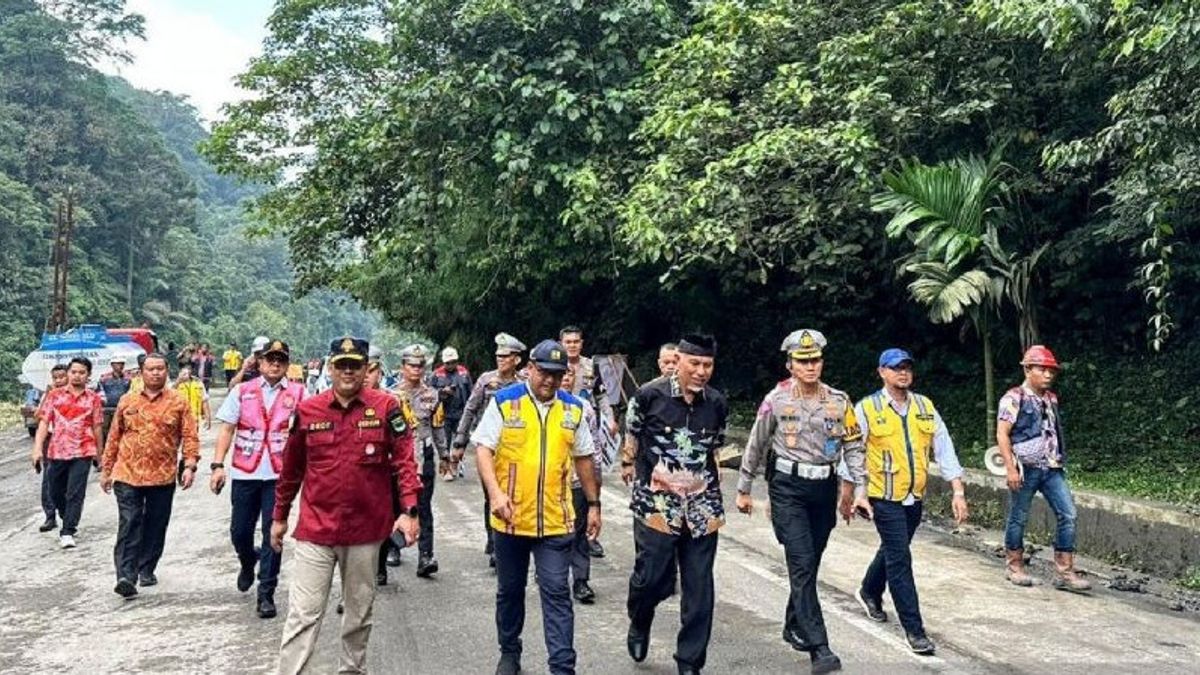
(58, 612)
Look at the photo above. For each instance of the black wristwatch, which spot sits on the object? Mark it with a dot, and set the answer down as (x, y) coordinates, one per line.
(594, 502)
(413, 512)
(216, 465)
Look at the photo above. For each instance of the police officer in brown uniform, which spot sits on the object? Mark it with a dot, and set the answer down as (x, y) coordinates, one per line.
(424, 405)
(803, 429)
(508, 358)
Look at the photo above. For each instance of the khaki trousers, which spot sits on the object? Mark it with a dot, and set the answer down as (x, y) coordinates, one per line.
(312, 574)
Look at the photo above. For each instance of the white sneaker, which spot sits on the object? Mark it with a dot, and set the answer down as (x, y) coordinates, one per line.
(67, 541)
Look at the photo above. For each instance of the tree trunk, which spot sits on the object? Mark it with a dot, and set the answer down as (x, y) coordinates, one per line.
(129, 274)
(989, 378)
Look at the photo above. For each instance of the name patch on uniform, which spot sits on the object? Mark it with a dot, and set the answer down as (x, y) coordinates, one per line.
(370, 424)
(320, 426)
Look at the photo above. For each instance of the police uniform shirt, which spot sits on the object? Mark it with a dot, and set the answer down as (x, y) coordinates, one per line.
(817, 431)
(485, 388)
(491, 424)
(423, 401)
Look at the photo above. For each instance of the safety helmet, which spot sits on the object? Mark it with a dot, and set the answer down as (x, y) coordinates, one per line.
(1038, 355)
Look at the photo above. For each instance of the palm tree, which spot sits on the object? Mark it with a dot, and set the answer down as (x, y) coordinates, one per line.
(952, 212)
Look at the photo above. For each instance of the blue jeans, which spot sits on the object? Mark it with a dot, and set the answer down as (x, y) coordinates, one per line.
(1052, 483)
(552, 560)
(253, 506)
(892, 567)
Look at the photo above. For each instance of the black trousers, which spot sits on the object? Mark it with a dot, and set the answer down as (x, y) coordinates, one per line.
(68, 480)
(803, 513)
(48, 507)
(253, 506)
(581, 549)
(425, 502)
(652, 581)
(143, 513)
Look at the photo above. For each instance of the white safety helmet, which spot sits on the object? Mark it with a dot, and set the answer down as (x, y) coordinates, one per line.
(260, 343)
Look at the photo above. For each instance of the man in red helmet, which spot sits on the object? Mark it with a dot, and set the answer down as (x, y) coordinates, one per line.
(1030, 435)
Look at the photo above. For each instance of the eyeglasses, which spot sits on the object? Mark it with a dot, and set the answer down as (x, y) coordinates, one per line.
(351, 366)
(275, 358)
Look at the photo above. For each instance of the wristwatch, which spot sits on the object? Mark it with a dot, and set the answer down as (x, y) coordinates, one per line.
(413, 512)
(594, 502)
(216, 465)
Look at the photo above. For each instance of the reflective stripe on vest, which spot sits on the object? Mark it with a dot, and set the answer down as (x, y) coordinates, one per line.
(534, 464)
(259, 429)
(898, 447)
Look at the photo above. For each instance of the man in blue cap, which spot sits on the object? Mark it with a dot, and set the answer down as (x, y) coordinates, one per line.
(899, 428)
(532, 438)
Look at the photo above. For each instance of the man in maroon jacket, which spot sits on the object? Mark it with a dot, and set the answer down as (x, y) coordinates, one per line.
(346, 445)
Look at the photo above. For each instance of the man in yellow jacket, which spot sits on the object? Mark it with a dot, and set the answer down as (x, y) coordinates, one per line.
(901, 431)
(531, 439)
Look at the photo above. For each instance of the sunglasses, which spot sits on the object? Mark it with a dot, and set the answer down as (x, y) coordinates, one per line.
(351, 366)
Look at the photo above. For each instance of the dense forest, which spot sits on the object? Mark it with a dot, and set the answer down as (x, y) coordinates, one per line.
(959, 177)
(160, 237)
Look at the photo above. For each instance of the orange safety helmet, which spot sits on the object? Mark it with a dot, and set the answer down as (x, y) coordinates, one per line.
(1039, 355)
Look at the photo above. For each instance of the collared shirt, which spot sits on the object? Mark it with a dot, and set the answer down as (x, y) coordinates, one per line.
(231, 359)
(73, 417)
(943, 446)
(1043, 451)
(819, 431)
(231, 411)
(485, 388)
(428, 420)
(673, 445)
(145, 438)
(194, 393)
(487, 433)
(347, 458)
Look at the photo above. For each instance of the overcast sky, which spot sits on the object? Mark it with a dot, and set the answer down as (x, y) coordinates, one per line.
(196, 47)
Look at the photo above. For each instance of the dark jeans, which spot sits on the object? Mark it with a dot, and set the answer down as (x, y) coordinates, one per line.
(143, 513)
(892, 567)
(253, 505)
(551, 556)
(803, 513)
(653, 581)
(68, 480)
(425, 502)
(229, 375)
(581, 549)
(1052, 483)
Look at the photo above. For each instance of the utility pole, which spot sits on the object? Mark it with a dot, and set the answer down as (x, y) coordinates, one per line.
(65, 222)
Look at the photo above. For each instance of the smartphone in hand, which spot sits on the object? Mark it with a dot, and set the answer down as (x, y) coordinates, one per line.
(862, 512)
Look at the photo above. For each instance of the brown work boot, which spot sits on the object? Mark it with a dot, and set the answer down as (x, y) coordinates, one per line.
(1066, 578)
(1014, 569)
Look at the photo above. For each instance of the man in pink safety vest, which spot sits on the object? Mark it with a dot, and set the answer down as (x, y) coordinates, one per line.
(256, 418)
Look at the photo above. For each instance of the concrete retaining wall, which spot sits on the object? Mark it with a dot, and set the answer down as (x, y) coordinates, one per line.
(1151, 537)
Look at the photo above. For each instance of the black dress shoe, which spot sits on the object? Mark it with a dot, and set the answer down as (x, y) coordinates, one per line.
(584, 593)
(50, 524)
(510, 664)
(147, 579)
(595, 549)
(638, 643)
(245, 577)
(427, 566)
(920, 644)
(381, 578)
(491, 561)
(824, 660)
(872, 607)
(266, 608)
(125, 588)
(792, 638)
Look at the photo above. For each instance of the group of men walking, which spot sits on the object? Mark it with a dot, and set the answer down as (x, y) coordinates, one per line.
(364, 462)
